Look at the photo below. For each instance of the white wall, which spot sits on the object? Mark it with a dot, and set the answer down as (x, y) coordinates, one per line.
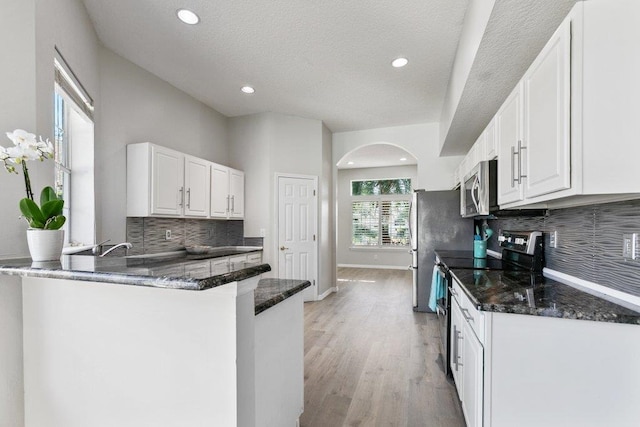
(327, 214)
(30, 29)
(391, 257)
(137, 106)
(266, 144)
(422, 141)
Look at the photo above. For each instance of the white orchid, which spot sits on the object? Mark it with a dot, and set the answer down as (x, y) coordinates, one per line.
(25, 147)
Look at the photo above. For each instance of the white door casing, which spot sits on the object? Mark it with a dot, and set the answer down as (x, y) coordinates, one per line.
(297, 230)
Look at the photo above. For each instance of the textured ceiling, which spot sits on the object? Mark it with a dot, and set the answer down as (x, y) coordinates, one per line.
(516, 32)
(376, 155)
(326, 60)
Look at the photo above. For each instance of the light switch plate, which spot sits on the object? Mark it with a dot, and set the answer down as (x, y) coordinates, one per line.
(553, 239)
(629, 246)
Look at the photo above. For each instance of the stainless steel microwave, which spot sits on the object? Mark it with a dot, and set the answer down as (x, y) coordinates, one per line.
(479, 190)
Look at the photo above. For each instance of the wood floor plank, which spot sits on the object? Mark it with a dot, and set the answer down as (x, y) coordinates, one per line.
(371, 361)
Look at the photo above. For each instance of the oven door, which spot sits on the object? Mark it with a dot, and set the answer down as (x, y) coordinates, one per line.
(443, 308)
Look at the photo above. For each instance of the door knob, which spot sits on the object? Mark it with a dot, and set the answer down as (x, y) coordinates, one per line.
(282, 248)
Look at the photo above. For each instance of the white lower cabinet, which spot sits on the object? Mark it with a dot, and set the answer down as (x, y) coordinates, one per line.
(467, 356)
(472, 377)
(530, 371)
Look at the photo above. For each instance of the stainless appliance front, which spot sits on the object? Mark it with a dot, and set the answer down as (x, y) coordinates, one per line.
(478, 195)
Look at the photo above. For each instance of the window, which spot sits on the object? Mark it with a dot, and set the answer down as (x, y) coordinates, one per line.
(74, 154)
(380, 212)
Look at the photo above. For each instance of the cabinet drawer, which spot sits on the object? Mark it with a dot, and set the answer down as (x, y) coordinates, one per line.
(237, 258)
(254, 258)
(200, 270)
(471, 314)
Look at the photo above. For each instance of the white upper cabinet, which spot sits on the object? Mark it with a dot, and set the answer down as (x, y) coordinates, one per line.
(155, 180)
(547, 102)
(491, 140)
(236, 192)
(196, 183)
(220, 200)
(165, 182)
(227, 192)
(509, 136)
(579, 142)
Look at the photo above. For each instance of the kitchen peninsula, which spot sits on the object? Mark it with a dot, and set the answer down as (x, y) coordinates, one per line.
(166, 341)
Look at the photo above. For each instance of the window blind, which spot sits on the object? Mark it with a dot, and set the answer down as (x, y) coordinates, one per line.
(365, 223)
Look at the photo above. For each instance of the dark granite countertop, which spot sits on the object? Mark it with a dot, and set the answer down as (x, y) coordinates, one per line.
(273, 291)
(534, 294)
(178, 271)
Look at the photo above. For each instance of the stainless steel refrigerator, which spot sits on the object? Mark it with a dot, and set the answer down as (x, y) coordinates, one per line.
(435, 223)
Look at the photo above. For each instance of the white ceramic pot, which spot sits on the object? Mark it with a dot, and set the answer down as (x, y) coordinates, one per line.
(45, 245)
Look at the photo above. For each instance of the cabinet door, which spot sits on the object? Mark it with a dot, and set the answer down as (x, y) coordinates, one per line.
(509, 133)
(196, 182)
(236, 192)
(491, 140)
(167, 190)
(473, 377)
(219, 191)
(547, 116)
(457, 347)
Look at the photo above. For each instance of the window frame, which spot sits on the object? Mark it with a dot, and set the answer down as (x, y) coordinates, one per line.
(380, 199)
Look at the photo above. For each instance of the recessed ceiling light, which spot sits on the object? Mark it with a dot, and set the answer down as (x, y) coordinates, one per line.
(403, 159)
(399, 62)
(247, 89)
(349, 163)
(188, 17)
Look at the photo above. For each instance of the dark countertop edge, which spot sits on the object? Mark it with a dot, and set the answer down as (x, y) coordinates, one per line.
(274, 300)
(137, 280)
(560, 313)
(547, 311)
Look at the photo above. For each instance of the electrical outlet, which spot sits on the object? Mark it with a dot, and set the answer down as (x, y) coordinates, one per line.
(167, 235)
(629, 246)
(553, 239)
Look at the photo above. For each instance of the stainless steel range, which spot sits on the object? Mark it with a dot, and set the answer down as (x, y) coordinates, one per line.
(521, 251)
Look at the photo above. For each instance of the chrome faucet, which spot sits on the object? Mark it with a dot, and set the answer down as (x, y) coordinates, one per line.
(126, 245)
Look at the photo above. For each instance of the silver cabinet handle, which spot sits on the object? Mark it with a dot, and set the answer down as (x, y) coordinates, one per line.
(228, 198)
(454, 293)
(181, 196)
(466, 315)
(233, 204)
(283, 248)
(513, 166)
(456, 356)
(520, 148)
(189, 198)
(518, 153)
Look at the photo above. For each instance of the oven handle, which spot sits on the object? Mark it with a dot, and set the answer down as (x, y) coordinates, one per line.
(475, 187)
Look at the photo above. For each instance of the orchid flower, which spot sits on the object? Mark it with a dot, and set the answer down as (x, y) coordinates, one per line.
(25, 147)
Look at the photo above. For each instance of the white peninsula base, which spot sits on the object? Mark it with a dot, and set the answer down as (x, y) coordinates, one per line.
(99, 354)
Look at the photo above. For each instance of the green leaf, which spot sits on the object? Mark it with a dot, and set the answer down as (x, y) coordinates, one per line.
(52, 208)
(48, 194)
(55, 223)
(32, 212)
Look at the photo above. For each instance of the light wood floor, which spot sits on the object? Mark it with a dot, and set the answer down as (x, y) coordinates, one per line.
(371, 361)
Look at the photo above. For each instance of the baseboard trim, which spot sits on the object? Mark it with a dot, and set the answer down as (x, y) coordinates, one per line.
(326, 293)
(383, 267)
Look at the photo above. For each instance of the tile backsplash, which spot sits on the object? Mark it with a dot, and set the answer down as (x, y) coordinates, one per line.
(589, 242)
(148, 234)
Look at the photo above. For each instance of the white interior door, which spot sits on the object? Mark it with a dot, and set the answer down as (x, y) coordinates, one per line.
(297, 249)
